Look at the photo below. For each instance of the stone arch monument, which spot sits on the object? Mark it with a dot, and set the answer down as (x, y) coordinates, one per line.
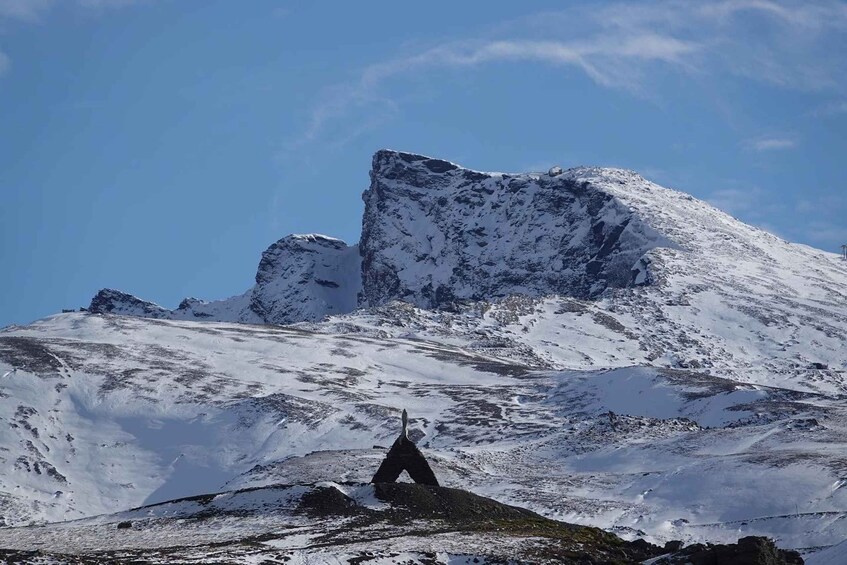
(404, 455)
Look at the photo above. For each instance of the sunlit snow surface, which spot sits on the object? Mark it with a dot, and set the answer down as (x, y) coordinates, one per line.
(707, 405)
(116, 412)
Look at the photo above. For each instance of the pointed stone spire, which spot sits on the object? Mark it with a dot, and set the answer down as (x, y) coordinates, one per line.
(405, 419)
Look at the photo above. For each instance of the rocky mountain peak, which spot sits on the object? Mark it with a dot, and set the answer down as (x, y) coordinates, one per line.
(434, 233)
(305, 277)
(299, 278)
(274, 258)
(397, 165)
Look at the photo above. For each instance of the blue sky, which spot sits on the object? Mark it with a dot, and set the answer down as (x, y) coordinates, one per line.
(159, 146)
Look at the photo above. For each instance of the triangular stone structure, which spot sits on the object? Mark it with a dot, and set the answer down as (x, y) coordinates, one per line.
(404, 455)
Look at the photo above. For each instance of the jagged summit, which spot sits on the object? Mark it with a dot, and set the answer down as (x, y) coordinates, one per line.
(388, 163)
(111, 301)
(305, 277)
(435, 234)
(300, 277)
(384, 160)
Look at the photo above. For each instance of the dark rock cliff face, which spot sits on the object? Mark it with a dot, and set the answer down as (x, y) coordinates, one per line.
(433, 233)
(110, 301)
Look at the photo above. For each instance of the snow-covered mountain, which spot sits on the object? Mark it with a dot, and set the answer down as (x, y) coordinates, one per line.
(584, 343)
(434, 234)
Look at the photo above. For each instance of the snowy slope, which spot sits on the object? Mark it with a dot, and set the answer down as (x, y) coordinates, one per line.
(113, 412)
(835, 555)
(669, 279)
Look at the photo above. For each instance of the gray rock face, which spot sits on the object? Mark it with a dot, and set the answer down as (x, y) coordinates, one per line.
(434, 233)
(306, 277)
(748, 550)
(300, 278)
(111, 301)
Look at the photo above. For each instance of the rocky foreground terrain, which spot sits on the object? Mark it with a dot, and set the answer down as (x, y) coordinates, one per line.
(356, 523)
(584, 344)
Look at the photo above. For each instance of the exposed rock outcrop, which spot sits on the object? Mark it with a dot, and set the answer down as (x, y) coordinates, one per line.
(111, 301)
(299, 278)
(306, 277)
(750, 550)
(434, 233)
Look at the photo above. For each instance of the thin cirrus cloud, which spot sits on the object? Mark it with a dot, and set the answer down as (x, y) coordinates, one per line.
(835, 108)
(610, 62)
(749, 202)
(828, 234)
(35, 10)
(817, 219)
(771, 143)
(620, 45)
(735, 201)
(25, 10)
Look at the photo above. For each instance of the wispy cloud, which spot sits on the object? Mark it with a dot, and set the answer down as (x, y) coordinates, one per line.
(752, 204)
(611, 62)
(35, 10)
(835, 108)
(755, 206)
(806, 15)
(819, 218)
(792, 45)
(737, 201)
(25, 10)
(814, 219)
(598, 57)
(620, 45)
(770, 143)
(107, 3)
(828, 235)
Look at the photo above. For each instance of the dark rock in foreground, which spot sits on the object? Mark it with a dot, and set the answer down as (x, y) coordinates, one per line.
(750, 550)
(432, 510)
